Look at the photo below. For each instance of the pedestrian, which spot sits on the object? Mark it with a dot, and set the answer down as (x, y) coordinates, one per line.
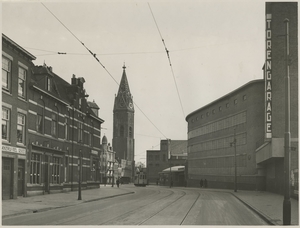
(118, 182)
(171, 184)
(201, 183)
(156, 181)
(205, 183)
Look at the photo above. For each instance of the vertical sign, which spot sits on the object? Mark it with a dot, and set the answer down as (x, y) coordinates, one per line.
(268, 77)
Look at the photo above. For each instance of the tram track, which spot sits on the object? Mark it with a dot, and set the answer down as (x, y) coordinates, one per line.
(162, 212)
(88, 213)
(146, 211)
(190, 208)
(141, 223)
(132, 212)
(95, 213)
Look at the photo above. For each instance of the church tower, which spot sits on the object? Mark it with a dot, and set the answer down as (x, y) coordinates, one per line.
(123, 122)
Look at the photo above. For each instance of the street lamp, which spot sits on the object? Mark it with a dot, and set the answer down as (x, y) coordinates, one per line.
(287, 137)
(104, 168)
(235, 168)
(170, 174)
(79, 176)
(170, 162)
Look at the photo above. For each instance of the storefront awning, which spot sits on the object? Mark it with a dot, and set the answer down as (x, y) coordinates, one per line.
(174, 169)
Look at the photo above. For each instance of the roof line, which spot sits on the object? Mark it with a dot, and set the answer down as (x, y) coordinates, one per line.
(245, 85)
(19, 47)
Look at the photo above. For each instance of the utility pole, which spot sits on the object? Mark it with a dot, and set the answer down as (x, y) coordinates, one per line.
(79, 178)
(235, 167)
(169, 150)
(72, 173)
(287, 137)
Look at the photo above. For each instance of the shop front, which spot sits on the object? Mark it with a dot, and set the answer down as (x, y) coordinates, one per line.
(13, 172)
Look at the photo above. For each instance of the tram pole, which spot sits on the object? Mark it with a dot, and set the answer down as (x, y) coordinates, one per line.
(287, 137)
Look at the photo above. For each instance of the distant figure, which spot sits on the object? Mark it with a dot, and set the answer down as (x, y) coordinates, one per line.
(205, 183)
(118, 182)
(201, 183)
(171, 184)
(156, 181)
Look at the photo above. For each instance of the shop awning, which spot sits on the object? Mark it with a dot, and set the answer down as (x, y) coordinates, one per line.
(174, 169)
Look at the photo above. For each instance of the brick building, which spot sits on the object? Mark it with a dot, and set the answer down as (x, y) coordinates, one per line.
(16, 74)
(270, 151)
(107, 162)
(64, 132)
(171, 153)
(251, 119)
(211, 131)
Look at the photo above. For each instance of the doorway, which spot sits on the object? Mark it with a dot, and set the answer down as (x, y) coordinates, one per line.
(21, 177)
(6, 178)
(46, 172)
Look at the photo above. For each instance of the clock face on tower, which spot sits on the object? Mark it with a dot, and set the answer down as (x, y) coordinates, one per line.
(130, 105)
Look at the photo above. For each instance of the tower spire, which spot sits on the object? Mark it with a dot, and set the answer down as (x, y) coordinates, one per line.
(123, 99)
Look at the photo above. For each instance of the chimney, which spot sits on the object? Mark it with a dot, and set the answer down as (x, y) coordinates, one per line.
(73, 82)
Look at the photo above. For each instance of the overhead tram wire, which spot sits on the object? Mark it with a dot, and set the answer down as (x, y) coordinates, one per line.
(168, 55)
(149, 119)
(94, 55)
(116, 53)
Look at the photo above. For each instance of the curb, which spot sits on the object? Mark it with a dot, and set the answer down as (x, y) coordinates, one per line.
(58, 207)
(259, 213)
(107, 197)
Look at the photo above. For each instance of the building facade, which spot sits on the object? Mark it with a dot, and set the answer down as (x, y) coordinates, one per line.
(64, 134)
(123, 126)
(107, 162)
(237, 117)
(171, 153)
(16, 75)
(248, 124)
(270, 150)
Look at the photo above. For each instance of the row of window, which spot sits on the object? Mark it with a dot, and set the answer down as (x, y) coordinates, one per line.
(21, 126)
(219, 125)
(227, 105)
(7, 77)
(36, 169)
(122, 132)
(22, 77)
(68, 128)
(156, 157)
(221, 162)
(6, 119)
(225, 142)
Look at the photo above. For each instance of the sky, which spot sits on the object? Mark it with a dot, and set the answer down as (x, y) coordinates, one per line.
(214, 48)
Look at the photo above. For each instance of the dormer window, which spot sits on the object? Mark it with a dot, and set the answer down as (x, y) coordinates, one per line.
(79, 103)
(54, 124)
(48, 84)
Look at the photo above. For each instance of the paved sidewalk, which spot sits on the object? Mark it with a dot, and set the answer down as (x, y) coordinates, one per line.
(40, 203)
(269, 205)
